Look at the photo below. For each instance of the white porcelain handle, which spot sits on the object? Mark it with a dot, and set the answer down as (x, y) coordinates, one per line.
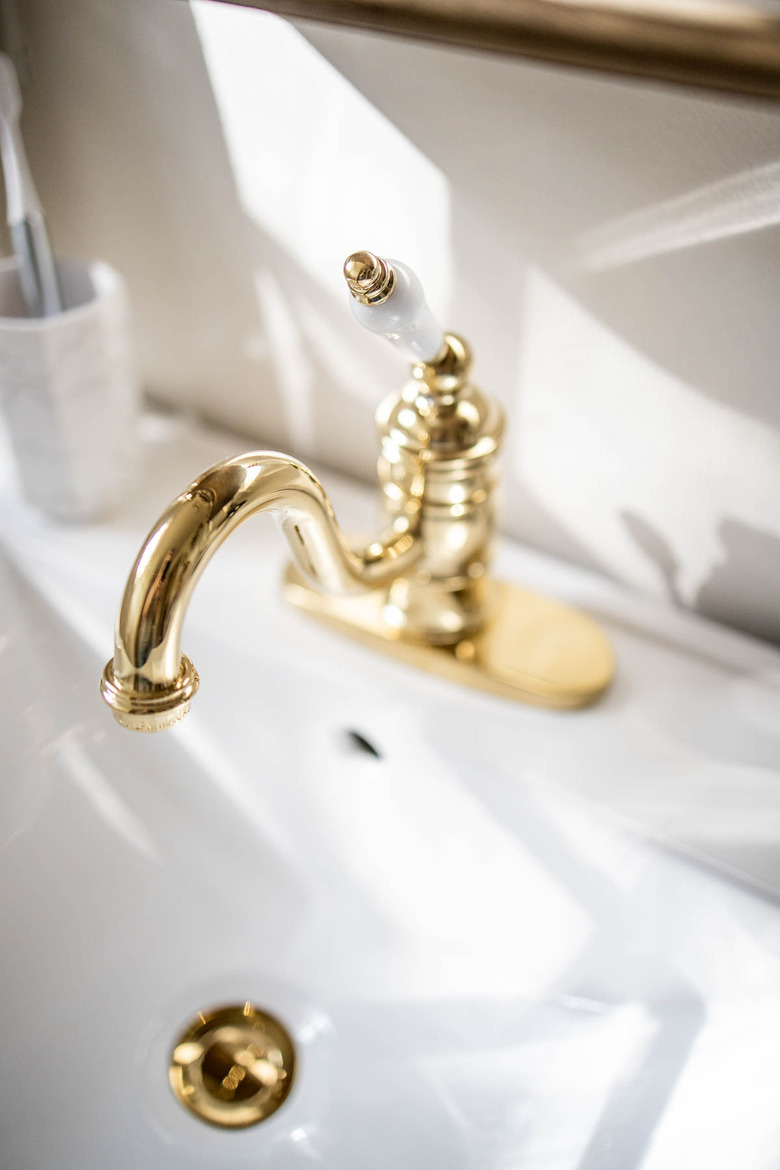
(398, 310)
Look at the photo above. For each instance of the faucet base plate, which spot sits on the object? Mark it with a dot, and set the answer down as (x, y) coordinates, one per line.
(532, 649)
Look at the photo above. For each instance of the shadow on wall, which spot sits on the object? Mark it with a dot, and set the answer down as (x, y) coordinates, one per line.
(749, 556)
(657, 550)
(715, 242)
(750, 569)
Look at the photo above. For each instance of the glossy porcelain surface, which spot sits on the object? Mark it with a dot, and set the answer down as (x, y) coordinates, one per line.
(484, 955)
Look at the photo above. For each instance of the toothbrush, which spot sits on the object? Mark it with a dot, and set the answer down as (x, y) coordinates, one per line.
(29, 237)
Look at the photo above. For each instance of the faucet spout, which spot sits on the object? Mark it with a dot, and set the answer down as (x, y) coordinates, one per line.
(149, 683)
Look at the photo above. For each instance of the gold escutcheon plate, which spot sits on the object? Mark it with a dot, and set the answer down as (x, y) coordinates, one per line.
(532, 649)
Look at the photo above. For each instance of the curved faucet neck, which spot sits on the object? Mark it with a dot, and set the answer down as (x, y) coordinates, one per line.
(149, 684)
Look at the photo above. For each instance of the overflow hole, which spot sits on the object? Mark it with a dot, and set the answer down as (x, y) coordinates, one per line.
(359, 741)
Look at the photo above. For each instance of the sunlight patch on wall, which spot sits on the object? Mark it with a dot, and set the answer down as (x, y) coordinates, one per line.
(318, 167)
(616, 447)
(734, 206)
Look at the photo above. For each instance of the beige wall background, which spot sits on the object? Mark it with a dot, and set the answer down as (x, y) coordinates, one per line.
(611, 250)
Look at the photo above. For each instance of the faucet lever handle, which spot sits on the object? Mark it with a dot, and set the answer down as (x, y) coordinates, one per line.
(387, 298)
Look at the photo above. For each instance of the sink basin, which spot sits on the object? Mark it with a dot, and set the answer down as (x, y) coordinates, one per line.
(499, 936)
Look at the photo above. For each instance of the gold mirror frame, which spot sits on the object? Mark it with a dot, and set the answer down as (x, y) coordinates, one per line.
(728, 45)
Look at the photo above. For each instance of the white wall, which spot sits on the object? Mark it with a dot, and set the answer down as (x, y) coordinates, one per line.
(611, 250)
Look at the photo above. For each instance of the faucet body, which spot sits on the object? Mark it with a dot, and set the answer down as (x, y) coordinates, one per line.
(438, 445)
(426, 593)
(438, 439)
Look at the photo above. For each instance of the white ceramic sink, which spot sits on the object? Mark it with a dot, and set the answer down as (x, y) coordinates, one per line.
(485, 956)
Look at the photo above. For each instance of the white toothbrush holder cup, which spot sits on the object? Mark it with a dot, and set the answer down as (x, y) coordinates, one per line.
(69, 392)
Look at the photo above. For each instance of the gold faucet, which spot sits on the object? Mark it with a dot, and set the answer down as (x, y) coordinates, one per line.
(421, 591)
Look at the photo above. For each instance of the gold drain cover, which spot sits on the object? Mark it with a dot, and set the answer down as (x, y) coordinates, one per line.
(233, 1066)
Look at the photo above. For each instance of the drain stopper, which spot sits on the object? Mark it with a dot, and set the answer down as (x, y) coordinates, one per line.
(233, 1066)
